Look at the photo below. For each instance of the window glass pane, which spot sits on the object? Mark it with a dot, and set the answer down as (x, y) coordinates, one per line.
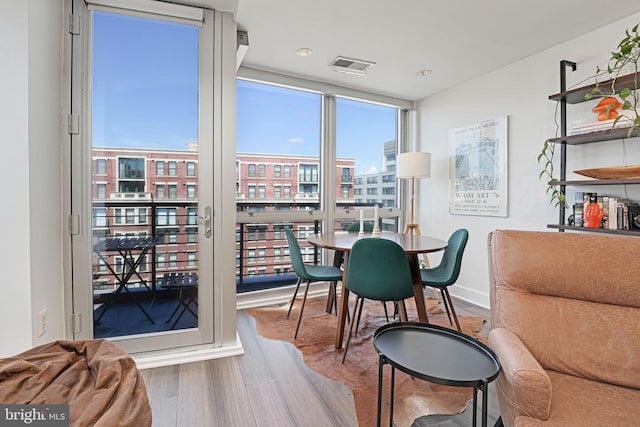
(144, 136)
(173, 169)
(173, 191)
(366, 150)
(192, 216)
(101, 191)
(191, 169)
(284, 124)
(101, 167)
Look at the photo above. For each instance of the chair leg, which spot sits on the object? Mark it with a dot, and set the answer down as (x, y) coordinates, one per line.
(359, 313)
(350, 328)
(453, 311)
(386, 313)
(334, 284)
(304, 299)
(401, 308)
(295, 294)
(446, 305)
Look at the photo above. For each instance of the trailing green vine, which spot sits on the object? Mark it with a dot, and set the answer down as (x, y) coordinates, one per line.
(545, 158)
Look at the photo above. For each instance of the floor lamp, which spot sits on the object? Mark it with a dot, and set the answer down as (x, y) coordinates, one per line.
(414, 164)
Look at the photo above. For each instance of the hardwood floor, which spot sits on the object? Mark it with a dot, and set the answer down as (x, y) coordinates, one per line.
(267, 386)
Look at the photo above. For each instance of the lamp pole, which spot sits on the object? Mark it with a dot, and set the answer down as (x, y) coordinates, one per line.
(412, 226)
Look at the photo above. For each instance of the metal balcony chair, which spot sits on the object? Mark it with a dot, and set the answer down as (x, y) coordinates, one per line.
(186, 286)
(309, 273)
(378, 270)
(446, 273)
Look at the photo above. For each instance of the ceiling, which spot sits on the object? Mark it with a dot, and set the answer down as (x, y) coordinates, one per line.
(456, 40)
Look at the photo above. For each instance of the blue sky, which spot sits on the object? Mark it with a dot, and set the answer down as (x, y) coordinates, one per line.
(145, 94)
(145, 82)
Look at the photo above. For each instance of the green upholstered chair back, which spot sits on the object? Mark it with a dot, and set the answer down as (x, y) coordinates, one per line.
(296, 255)
(452, 258)
(355, 226)
(378, 270)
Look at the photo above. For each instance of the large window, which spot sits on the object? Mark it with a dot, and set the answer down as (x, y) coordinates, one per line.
(367, 133)
(284, 125)
(280, 170)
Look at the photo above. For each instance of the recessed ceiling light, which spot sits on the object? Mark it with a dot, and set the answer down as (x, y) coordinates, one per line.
(304, 51)
(423, 73)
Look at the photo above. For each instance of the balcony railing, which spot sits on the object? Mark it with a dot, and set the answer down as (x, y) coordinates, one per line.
(262, 250)
(262, 253)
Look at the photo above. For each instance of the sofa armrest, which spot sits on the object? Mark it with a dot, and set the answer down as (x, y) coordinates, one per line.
(523, 385)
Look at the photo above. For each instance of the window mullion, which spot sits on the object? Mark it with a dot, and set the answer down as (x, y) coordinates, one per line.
(328, 160)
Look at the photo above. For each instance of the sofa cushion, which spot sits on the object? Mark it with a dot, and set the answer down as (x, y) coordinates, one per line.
(581, 402)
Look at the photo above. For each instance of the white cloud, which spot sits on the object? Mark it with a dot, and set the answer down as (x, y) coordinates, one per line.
(295, 140)
(372, 169)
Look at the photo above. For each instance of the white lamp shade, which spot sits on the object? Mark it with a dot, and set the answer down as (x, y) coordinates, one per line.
(413, 164)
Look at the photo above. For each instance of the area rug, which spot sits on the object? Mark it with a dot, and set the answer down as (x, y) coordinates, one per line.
(316, 341)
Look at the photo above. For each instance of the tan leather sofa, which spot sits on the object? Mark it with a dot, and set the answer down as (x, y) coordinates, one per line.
(565, 313)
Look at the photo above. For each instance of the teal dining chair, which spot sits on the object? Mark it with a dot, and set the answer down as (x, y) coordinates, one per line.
(446, 273)
(367, 226)
(309, 273)
(378, 270)
(354, 227)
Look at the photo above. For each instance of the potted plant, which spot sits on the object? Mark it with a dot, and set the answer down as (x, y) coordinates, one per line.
(624, 60)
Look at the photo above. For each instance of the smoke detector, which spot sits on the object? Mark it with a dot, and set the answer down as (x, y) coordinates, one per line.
(351, 66)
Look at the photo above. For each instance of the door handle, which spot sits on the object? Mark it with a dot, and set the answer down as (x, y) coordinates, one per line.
(206, 219)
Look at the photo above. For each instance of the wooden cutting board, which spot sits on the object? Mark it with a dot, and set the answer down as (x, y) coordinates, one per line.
(612, 172)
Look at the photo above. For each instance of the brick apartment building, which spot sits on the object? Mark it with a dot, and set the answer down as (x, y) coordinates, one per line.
(154, 192)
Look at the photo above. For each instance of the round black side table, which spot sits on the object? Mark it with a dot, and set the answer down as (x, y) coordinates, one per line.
(438, 355)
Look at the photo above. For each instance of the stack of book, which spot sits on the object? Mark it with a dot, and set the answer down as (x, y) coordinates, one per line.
(579, 129)
(619, 213)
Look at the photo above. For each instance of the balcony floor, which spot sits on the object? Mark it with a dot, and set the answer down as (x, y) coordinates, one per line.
(125, 318)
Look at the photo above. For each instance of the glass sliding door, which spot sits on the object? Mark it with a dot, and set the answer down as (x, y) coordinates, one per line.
(149, 263)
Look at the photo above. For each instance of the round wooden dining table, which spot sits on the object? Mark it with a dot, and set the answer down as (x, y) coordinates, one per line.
(412, 244)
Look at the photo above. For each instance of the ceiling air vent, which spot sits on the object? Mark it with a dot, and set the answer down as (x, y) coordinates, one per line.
(351, 66)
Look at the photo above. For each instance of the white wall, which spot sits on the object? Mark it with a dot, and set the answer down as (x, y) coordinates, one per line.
(519, 91)
(45, 165)
(15, 303)
(30, 254)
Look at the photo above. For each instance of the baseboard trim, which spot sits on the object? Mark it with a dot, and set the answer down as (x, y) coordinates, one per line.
(471, 296)
(279, 296)
(178, 357)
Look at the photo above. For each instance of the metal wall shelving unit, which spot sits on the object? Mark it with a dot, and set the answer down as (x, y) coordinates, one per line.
(576, 96)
